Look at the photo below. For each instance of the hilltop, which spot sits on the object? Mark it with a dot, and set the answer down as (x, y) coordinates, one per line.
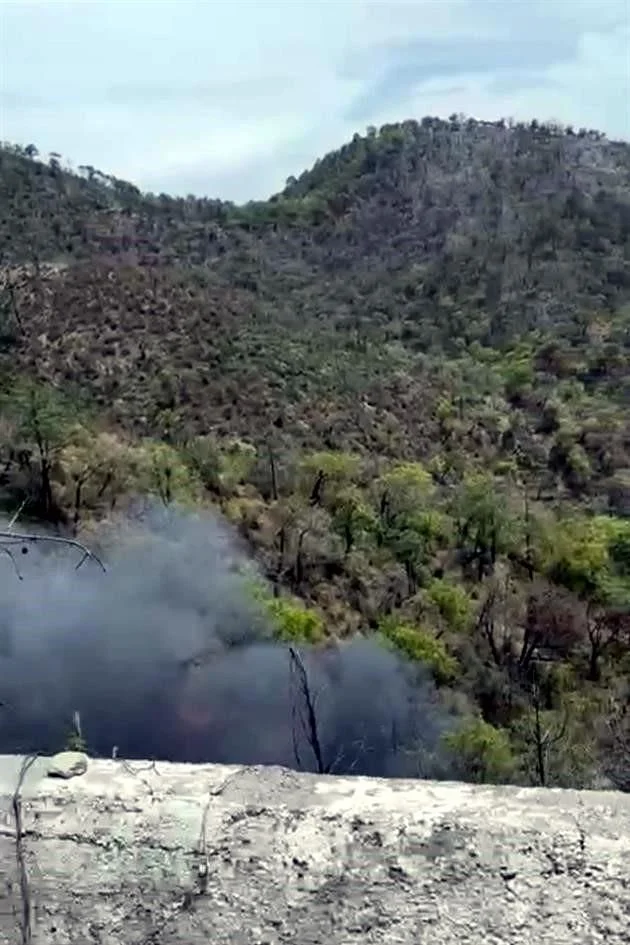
(405, 379)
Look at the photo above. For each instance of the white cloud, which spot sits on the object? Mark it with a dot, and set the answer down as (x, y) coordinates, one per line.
(229, 97)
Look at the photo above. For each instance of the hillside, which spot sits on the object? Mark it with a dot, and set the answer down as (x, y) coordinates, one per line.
(405, 379)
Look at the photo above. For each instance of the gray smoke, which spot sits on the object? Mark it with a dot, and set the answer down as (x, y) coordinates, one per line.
(167, 656)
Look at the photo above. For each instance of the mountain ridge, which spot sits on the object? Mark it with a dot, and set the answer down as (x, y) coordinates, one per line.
(427, 272)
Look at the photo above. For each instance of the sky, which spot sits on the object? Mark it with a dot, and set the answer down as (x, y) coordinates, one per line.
(228, 98)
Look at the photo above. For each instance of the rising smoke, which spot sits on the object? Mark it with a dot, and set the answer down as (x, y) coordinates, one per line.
(124, 649)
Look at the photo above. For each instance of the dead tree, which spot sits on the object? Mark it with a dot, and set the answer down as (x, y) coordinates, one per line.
(306, 724)
(544, 737)
(304, 715)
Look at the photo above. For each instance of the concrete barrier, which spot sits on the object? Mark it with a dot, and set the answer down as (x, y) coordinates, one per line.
(141, 854)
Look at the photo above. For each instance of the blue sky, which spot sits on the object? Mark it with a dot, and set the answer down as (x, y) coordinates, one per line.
(229, 97)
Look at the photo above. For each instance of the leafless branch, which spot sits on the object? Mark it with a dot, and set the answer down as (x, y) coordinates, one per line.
(202, 843)
(17, 514)
(361, 751)
(8, 538)
(544, 739)
(9, 554)
(7, 551)
(26, 931)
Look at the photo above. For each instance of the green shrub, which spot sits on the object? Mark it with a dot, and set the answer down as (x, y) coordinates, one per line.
(453, 604)
(483, 752)
(295, 623)
(420, 646)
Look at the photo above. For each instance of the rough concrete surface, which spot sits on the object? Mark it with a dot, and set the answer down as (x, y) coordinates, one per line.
(140, 854)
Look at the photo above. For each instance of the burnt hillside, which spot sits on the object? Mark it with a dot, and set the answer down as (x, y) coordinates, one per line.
(405, 380)
(420, 238)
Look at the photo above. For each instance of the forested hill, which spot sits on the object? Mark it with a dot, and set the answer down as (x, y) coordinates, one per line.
(405, 378)
(509, 219)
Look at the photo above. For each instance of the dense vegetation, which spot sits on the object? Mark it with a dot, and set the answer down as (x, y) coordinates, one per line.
(405, 380)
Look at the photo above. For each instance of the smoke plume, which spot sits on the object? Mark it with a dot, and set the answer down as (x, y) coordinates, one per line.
(168, 656)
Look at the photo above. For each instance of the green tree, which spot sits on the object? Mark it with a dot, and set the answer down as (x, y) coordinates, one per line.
(93, 467)
(409, 525)
(236, 461)
(483, 524)
(575, 552)
(518, 373)
(352, 517)
(324, 474)
(203, 455)
(164, 473)
(404, 490)
(414, 540)
(619, 547)
(42, 422)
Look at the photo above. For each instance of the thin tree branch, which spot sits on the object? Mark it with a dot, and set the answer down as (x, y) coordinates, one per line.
(26, 932)
(9, 554)
(14, 538)
(17, 514)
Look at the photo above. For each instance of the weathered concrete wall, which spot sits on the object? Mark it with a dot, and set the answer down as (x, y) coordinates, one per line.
(141, 855)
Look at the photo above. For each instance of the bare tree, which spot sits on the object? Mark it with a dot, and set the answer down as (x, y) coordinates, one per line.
(543, 736)
(545, 624)
(606, 628)
(304, 712)
(306, 724)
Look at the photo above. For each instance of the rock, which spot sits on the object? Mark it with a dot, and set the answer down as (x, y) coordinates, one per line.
(190, 854)
(67, 764)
